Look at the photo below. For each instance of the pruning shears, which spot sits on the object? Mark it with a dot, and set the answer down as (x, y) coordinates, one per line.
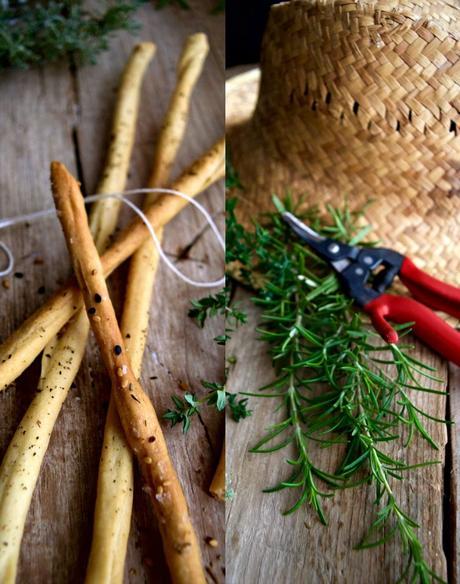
(366, 274)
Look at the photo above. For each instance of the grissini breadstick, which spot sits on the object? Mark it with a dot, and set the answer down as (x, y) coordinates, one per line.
(143, 263)
(62, 357)
(218, 174)
(217, 487)
(115, 468)
(22, 461)
(112, 514)
(23, 346)
(137, 415)
(188, 70)
(104, 213)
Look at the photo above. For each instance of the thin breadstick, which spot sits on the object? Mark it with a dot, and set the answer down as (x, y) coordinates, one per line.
(188, 70)
(219, 173)
(22, 347)
(110, 534)
(104, 213)
(217, 487)
(137, 415)
(143, 263)
(115, 468)
(62, 357)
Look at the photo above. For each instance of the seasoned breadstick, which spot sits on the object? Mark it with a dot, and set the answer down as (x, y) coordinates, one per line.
(188, 70)
(115, 468)
(23, 346)
(143, 263)
(62, 357)
(137, 415)
(216, 176)
(217, 487)
(104, 213)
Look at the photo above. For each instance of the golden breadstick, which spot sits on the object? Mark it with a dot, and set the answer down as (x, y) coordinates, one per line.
(143, 263)
(218, 174)
(23, 346)
(217, 487)
(188, 70)
(137, 415)
(110, 532)
(22, 461)
(106, 562)
(104, 213)
(62, 357)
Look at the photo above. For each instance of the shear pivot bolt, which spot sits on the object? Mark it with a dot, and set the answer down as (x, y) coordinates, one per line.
(333, 247)
(368, 260)
(359, 271)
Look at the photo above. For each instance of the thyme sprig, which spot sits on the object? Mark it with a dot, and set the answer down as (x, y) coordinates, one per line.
(214, 304)
(337, 380)
(185, 409)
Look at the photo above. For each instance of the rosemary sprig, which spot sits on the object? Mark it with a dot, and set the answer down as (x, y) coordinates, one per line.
(318, 340)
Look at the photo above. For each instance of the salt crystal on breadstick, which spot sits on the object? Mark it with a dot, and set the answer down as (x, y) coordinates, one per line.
(139, 420)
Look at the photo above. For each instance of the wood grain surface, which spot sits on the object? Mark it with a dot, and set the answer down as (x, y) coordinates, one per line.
(61, 112)
(263, 545)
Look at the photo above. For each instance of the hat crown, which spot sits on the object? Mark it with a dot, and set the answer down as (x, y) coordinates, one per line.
(381, 66)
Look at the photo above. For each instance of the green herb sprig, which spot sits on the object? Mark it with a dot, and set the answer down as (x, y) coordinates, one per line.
(186, 408)
(215, 304)
(319, 341)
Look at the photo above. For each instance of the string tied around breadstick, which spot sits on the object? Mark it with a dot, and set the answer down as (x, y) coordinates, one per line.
(28, 217)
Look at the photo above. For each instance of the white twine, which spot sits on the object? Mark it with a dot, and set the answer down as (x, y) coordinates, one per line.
(27, 217)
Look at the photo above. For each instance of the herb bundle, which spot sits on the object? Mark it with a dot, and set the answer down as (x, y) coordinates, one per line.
(337, 380)
(35, 33)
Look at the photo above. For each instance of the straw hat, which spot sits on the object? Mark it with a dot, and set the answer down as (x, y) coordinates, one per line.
(358, 99)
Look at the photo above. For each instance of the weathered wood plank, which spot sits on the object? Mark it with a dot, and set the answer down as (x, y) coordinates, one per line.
(297, 548)
(46, 115)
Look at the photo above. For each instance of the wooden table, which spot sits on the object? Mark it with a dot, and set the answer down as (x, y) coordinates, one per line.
(265, 546)
(61, 113)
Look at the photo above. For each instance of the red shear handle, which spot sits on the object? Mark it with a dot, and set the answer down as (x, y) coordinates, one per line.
(428, 327)
(429, 290)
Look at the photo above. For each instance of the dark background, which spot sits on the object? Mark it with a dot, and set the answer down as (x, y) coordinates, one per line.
(245, 23)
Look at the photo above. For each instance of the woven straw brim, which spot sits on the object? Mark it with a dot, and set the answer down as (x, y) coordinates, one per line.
(324, 142)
